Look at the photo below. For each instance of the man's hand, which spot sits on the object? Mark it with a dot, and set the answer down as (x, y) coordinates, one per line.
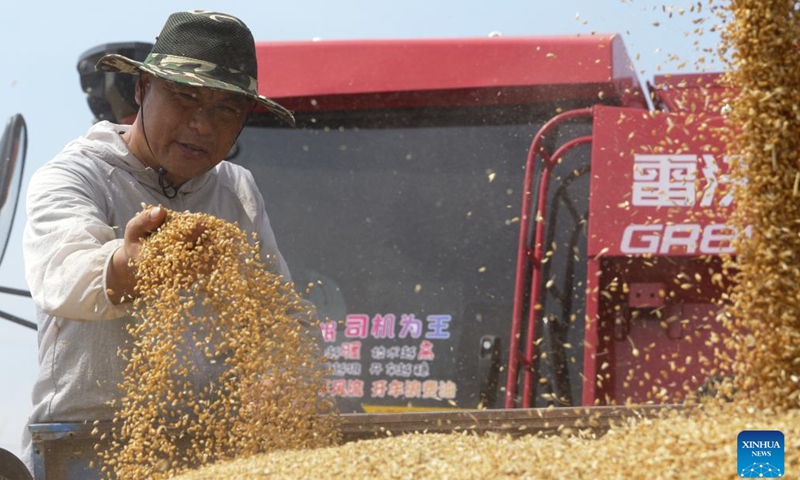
(121, 277)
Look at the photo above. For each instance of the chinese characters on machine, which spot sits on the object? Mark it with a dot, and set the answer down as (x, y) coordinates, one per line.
(396, 371)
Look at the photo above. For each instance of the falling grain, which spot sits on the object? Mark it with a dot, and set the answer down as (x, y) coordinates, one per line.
(222, 358)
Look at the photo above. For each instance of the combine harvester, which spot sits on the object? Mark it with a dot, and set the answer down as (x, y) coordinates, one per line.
(492, 226)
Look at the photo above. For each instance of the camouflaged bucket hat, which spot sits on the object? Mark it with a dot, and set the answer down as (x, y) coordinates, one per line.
(202, 49)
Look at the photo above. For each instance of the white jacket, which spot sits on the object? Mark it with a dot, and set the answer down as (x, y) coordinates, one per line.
(78, 205)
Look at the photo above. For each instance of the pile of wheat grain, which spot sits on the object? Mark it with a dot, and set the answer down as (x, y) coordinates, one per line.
(678, 445)
(222, 361)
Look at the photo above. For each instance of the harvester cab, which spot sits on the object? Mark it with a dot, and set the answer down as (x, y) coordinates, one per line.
(494, 210)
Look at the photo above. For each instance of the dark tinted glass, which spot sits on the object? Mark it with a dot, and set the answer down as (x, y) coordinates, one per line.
(407, 223)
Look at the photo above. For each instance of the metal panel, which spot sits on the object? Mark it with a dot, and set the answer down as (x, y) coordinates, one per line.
(659, 185)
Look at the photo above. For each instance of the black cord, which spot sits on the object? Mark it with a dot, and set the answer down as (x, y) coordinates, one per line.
(169, 190)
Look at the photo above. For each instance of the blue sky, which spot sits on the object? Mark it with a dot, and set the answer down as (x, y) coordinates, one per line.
(43, 40)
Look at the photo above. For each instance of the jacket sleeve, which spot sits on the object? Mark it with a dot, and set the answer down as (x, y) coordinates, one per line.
(253, 201)
(67, 246)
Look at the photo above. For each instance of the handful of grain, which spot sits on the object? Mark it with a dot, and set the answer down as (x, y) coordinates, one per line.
(222, 360)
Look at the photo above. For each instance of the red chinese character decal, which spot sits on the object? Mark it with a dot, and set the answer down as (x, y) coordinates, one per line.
(426, 351)
(356, 326)
(351, 350)
(410, 326)
(336, 388)
(379, 389)
(396, 388)
(383, 326)
(447, 389)
(354, 389)
(413, 388)
(328, 331)
(430, 389)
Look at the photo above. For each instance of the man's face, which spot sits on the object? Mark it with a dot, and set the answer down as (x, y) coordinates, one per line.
(189, 129)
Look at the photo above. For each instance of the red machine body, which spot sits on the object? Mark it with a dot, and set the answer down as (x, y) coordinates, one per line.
(654, 248)
(656, 203)
(659, 199)
(478, 208)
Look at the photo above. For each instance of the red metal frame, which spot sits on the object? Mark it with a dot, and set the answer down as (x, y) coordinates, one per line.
(591, 333)
(378, 74)
(531, 258)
